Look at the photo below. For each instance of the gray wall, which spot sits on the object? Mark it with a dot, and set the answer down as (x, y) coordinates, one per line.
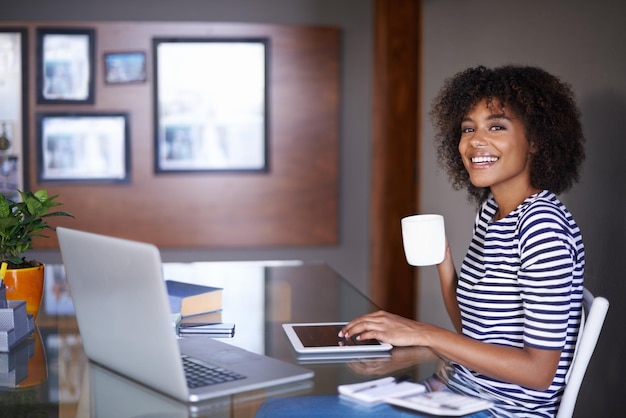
(580, 40)
(354, 17)
(583, 42)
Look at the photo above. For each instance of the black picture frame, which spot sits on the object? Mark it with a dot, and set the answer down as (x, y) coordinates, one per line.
(65, 65)
(13, 111)
(125, 67)
(91, 147)
(211, 114)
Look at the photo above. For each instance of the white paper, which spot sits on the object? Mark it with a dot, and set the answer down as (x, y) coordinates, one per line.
(379, 389)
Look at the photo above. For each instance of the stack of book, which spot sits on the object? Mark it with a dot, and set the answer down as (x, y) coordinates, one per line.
(203, 303)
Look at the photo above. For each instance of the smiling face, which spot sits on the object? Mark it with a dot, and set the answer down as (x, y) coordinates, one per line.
(495, 150)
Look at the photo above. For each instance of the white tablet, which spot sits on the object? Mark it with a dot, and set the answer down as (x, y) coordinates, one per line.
(348, 357)
(321, 338)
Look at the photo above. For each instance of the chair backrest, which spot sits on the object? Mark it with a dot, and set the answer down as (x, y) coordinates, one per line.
(594, 309)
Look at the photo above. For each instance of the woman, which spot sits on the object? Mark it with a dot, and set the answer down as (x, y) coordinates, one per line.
(511, 136)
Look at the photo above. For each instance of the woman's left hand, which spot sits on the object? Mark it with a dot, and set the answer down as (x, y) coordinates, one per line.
(386, 327)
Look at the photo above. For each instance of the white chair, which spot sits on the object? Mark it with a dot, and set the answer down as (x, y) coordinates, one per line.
(594, 312)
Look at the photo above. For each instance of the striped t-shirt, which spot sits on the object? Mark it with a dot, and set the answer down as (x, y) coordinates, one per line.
(521, 284)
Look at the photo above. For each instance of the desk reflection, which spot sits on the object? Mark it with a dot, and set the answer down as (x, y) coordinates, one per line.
(402, 359)
(25, 365)
(111, 395)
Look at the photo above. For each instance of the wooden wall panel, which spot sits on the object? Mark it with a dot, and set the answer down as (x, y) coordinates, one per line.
(294, 204)
(395, 150)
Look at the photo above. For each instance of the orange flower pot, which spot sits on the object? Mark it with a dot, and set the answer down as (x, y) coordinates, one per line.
(26, 284)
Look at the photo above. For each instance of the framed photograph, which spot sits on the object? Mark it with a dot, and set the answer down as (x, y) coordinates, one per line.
(91, 147)
(210, 104)
(65, 66)
(13, 110)
(124, 67)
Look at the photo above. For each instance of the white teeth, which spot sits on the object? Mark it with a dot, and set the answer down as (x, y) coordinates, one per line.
(484, 159)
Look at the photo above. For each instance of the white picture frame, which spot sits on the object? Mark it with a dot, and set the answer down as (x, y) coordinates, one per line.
(13, 110)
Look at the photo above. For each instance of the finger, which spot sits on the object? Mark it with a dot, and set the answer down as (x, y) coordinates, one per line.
(374, 334)
(346, 330)
(366, 330)
(349, 328)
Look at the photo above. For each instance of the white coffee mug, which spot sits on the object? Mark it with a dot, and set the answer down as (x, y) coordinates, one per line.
(424, 239)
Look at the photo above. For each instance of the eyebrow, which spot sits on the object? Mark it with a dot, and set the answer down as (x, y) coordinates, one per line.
(490, 117)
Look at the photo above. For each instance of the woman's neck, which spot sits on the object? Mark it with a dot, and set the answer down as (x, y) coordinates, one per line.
(507, 202)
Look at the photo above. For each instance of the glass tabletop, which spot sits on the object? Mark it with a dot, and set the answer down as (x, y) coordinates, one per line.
(49, 375)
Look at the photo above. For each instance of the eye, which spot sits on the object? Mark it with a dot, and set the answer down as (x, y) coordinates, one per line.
(497, 128)
(466, 129)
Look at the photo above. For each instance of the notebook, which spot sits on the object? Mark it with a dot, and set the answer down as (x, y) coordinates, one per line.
(123, 315)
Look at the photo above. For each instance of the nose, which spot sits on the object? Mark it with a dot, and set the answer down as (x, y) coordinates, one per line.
(478, 141)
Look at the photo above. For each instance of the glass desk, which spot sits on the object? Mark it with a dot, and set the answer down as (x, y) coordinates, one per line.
(49, 376)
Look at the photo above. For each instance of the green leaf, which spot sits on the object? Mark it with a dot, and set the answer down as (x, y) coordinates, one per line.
(41, 195)
(24, 220)
(5, 207)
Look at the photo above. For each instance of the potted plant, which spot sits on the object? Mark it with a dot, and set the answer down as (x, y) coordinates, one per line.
(20, 222)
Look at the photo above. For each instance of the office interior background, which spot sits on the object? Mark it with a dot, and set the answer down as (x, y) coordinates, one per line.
(581, 41)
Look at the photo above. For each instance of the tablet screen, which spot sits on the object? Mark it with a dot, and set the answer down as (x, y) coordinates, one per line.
(322, 338)
(326, 336)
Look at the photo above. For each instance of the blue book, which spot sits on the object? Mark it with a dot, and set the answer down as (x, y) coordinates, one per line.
(192, 299)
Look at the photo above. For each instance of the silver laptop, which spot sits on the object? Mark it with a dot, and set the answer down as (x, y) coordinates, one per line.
(125, 323)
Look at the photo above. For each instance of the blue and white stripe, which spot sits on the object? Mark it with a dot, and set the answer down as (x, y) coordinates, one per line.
(521, 284)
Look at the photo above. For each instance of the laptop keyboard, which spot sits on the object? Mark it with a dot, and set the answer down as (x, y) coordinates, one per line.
(200, 373)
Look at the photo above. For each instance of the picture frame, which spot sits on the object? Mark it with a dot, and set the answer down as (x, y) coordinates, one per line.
(210, 114)
(13, 110)
(125, 67)
(83, 147)
(65, 66)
